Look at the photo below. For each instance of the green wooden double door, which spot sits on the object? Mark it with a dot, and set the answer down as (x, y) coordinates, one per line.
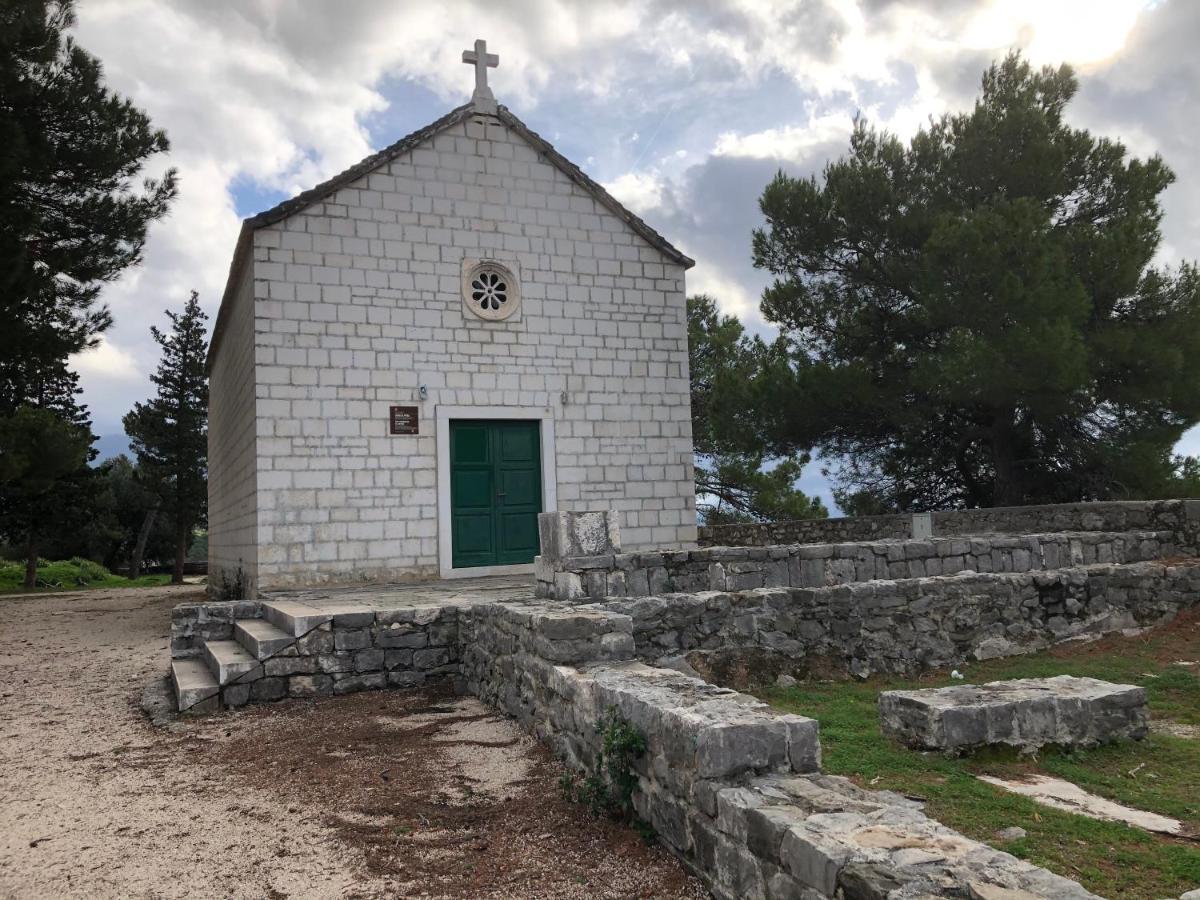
(495, 492)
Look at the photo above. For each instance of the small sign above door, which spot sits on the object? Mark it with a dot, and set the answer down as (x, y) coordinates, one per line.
(404, 420)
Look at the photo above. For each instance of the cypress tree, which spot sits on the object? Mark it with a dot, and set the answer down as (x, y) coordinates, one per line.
(169, 432)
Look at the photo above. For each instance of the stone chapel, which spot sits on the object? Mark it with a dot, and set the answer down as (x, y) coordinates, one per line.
(415, 358)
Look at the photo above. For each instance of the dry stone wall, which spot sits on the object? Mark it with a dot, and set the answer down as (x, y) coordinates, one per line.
(731, 787)
(817, 565)
(355, 650)
(907, 626)
(728, 786)
(194, 623)
(1179, 516)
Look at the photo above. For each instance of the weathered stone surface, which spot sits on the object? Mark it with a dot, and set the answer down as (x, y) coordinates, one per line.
(726, 782)
(352, 639)
(579, 534)
(310, 685)
(1154, 515)
(1026, 713)
(1012, 833)
(269, 689)
(348, 683)
(748, 568)
(236, 694)
(904, 627)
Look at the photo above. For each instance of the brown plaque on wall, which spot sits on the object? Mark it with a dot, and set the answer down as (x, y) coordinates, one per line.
(404, 420)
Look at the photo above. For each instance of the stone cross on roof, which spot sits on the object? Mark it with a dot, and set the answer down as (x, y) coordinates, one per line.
(483, 98)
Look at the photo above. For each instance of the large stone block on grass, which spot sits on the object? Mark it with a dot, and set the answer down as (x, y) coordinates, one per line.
(1026, 713)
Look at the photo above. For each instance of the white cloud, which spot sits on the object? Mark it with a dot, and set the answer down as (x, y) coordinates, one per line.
(642, 192)
(1189, 445)
(793, 142)
(106, 361)
(731, 294)
(1082, 32)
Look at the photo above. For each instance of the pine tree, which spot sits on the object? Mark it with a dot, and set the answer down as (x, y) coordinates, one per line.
(736, 479)
(974, 319)
(169, 433)
(45, 482)
(71, 219)
(46, 490)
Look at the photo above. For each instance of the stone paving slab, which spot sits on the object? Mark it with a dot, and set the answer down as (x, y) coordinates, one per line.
(1026, 713)
(1063, 795)
(373, 597)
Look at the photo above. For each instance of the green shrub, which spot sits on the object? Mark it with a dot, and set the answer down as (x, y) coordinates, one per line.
(609, 787)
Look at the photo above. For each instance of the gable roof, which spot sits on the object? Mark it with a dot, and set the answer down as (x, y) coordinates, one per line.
(409, 142)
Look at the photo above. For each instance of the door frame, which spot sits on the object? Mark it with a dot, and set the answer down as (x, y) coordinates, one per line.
(444, 415)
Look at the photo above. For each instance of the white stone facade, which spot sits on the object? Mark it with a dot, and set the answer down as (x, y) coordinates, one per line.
(357, 304)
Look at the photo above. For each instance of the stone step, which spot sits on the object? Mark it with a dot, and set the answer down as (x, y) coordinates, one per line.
(297, 619)
(260, 638)
(196, 689)
(229, 662)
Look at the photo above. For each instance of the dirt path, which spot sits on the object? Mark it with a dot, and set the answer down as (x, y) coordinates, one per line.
(384, 794)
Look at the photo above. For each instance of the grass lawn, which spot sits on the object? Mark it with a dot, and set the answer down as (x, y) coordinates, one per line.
(70, 575)
(1160, 773)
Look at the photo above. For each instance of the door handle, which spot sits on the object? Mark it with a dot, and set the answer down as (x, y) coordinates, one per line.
(501, 494)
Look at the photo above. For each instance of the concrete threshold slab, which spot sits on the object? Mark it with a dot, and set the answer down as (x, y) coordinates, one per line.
(1064, 795)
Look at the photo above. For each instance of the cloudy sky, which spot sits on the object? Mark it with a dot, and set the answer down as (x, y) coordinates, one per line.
(683, 109)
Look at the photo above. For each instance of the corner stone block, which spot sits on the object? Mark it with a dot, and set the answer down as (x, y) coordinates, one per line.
(568, 586)
(724, 750)
(1026, 713)
(804, 743)
(813, 859)
(565, 534)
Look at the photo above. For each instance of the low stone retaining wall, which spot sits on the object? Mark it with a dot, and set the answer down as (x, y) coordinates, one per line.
(902, 627)
(814, 565)
(353, 651)
(1181, 517)
(556, 670)
(194, 623)
(728, 786)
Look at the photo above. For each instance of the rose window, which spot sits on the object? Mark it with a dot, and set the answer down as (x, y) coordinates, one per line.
(490, 290)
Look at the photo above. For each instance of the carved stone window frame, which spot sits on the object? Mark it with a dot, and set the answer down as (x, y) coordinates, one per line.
(479, 277)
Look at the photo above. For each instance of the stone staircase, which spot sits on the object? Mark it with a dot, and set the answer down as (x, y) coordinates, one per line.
(316, 643)
(226, 669)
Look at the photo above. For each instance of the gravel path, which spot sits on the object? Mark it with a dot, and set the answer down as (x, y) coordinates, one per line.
(396, 794)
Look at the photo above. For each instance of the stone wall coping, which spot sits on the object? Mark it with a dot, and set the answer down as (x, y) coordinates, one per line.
(913, 549)
(914, 586)
(966, 522)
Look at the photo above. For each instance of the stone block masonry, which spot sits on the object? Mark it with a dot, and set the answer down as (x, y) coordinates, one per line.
(276, 649)
(1181, 517)
(1025, 713)
(731, 787)
(817, 565)
(354, 303)
(194, 623)
(903, 627)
